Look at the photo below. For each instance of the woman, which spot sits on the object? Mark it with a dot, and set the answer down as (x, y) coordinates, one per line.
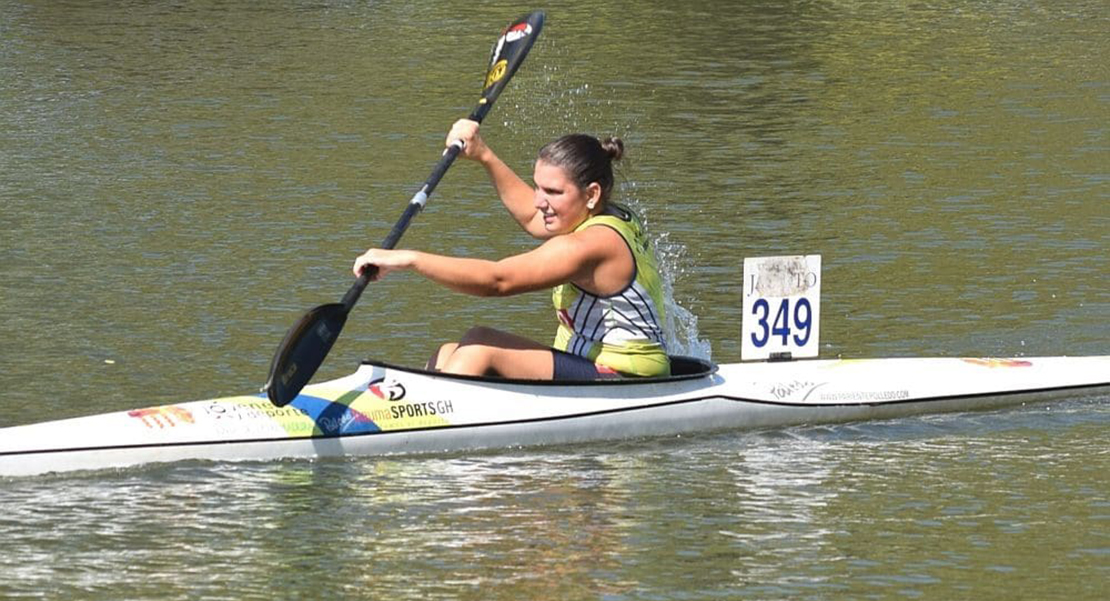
(607, 293)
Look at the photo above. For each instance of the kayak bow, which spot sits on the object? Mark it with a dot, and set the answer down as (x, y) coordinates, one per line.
(383, 409)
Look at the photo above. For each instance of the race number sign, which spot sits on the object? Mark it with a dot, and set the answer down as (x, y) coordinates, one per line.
(782, 301)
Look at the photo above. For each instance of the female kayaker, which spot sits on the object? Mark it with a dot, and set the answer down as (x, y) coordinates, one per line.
(607, 291)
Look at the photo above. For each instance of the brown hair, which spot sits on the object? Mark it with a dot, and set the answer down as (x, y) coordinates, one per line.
(585, 159)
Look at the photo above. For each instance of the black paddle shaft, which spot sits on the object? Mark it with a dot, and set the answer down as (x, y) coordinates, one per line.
(307, 343)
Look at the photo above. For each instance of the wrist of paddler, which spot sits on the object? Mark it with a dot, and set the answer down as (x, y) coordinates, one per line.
(476, 150)
(385, 260)
(474, 147)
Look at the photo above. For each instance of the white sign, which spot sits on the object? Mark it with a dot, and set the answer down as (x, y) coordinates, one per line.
(782, 302)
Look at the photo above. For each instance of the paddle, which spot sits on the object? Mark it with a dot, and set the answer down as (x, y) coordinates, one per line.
(307, 343)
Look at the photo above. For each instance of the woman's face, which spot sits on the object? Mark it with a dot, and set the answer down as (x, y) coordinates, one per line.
(564, 205)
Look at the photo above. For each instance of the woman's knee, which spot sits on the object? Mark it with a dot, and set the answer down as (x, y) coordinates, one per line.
(471, 359)
(441, 356)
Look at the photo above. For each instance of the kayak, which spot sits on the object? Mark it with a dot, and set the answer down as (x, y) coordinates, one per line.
(383, 409)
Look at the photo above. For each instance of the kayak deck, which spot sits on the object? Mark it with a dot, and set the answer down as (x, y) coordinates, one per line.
(385, 409)
(682, 368)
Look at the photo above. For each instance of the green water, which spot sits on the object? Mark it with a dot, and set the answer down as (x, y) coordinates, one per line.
(179, 181)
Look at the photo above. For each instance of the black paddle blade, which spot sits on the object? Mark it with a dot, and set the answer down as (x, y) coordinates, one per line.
(303, 351)
(507, 55)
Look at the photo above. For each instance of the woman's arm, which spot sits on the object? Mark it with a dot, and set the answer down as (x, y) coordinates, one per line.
(517, 196)
(595, 257)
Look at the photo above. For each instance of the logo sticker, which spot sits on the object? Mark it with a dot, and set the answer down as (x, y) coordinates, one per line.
(517, 32)
(162, 417)
(390, 390)
(496, 72)
(512, 34)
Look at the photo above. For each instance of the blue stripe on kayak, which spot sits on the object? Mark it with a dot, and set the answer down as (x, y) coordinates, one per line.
(332, 418)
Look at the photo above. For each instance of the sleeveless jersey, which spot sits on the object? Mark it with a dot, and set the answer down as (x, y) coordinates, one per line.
(624, 331)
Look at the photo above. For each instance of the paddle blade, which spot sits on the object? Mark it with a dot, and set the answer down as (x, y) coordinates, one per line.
(507, 55)
(303, 351)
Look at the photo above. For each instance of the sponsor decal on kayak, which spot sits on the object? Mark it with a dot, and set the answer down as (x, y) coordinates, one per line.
(250, 410)
(807, 391)
(305, 416)
(390, 390)
(784, 390)
(992, 363)
(383, 406)
(379, 406)
(250, 415)
(409, 410)
(864, 396)
(332, 417)
(163, 417)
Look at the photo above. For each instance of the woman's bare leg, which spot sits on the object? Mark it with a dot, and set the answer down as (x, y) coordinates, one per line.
(486, 351)
(439, 358)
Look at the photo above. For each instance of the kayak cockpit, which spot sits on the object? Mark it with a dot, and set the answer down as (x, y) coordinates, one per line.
(682, 368)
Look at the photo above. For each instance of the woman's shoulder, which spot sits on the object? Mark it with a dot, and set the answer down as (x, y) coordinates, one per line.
(595, 231)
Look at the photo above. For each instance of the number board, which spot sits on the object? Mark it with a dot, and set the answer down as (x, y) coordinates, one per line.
(782, 302)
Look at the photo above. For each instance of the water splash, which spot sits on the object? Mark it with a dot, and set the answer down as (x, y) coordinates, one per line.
(680, 326)
(555, 98)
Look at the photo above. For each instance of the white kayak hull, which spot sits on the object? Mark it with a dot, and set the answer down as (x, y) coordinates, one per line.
(384, 410)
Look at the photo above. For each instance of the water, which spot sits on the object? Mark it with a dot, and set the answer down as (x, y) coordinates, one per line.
(179, 182)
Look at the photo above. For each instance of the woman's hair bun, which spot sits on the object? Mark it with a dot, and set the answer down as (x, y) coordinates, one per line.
(614, 147)
(585, 159)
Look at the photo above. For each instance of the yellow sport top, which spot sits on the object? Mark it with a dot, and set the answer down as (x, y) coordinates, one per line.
(623, 331)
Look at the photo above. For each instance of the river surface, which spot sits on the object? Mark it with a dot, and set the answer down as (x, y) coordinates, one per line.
(180, 180)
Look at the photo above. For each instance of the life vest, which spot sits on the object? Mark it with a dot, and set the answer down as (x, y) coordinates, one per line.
(623, 331)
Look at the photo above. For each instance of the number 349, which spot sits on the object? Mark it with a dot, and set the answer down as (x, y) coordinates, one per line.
(785, 322)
